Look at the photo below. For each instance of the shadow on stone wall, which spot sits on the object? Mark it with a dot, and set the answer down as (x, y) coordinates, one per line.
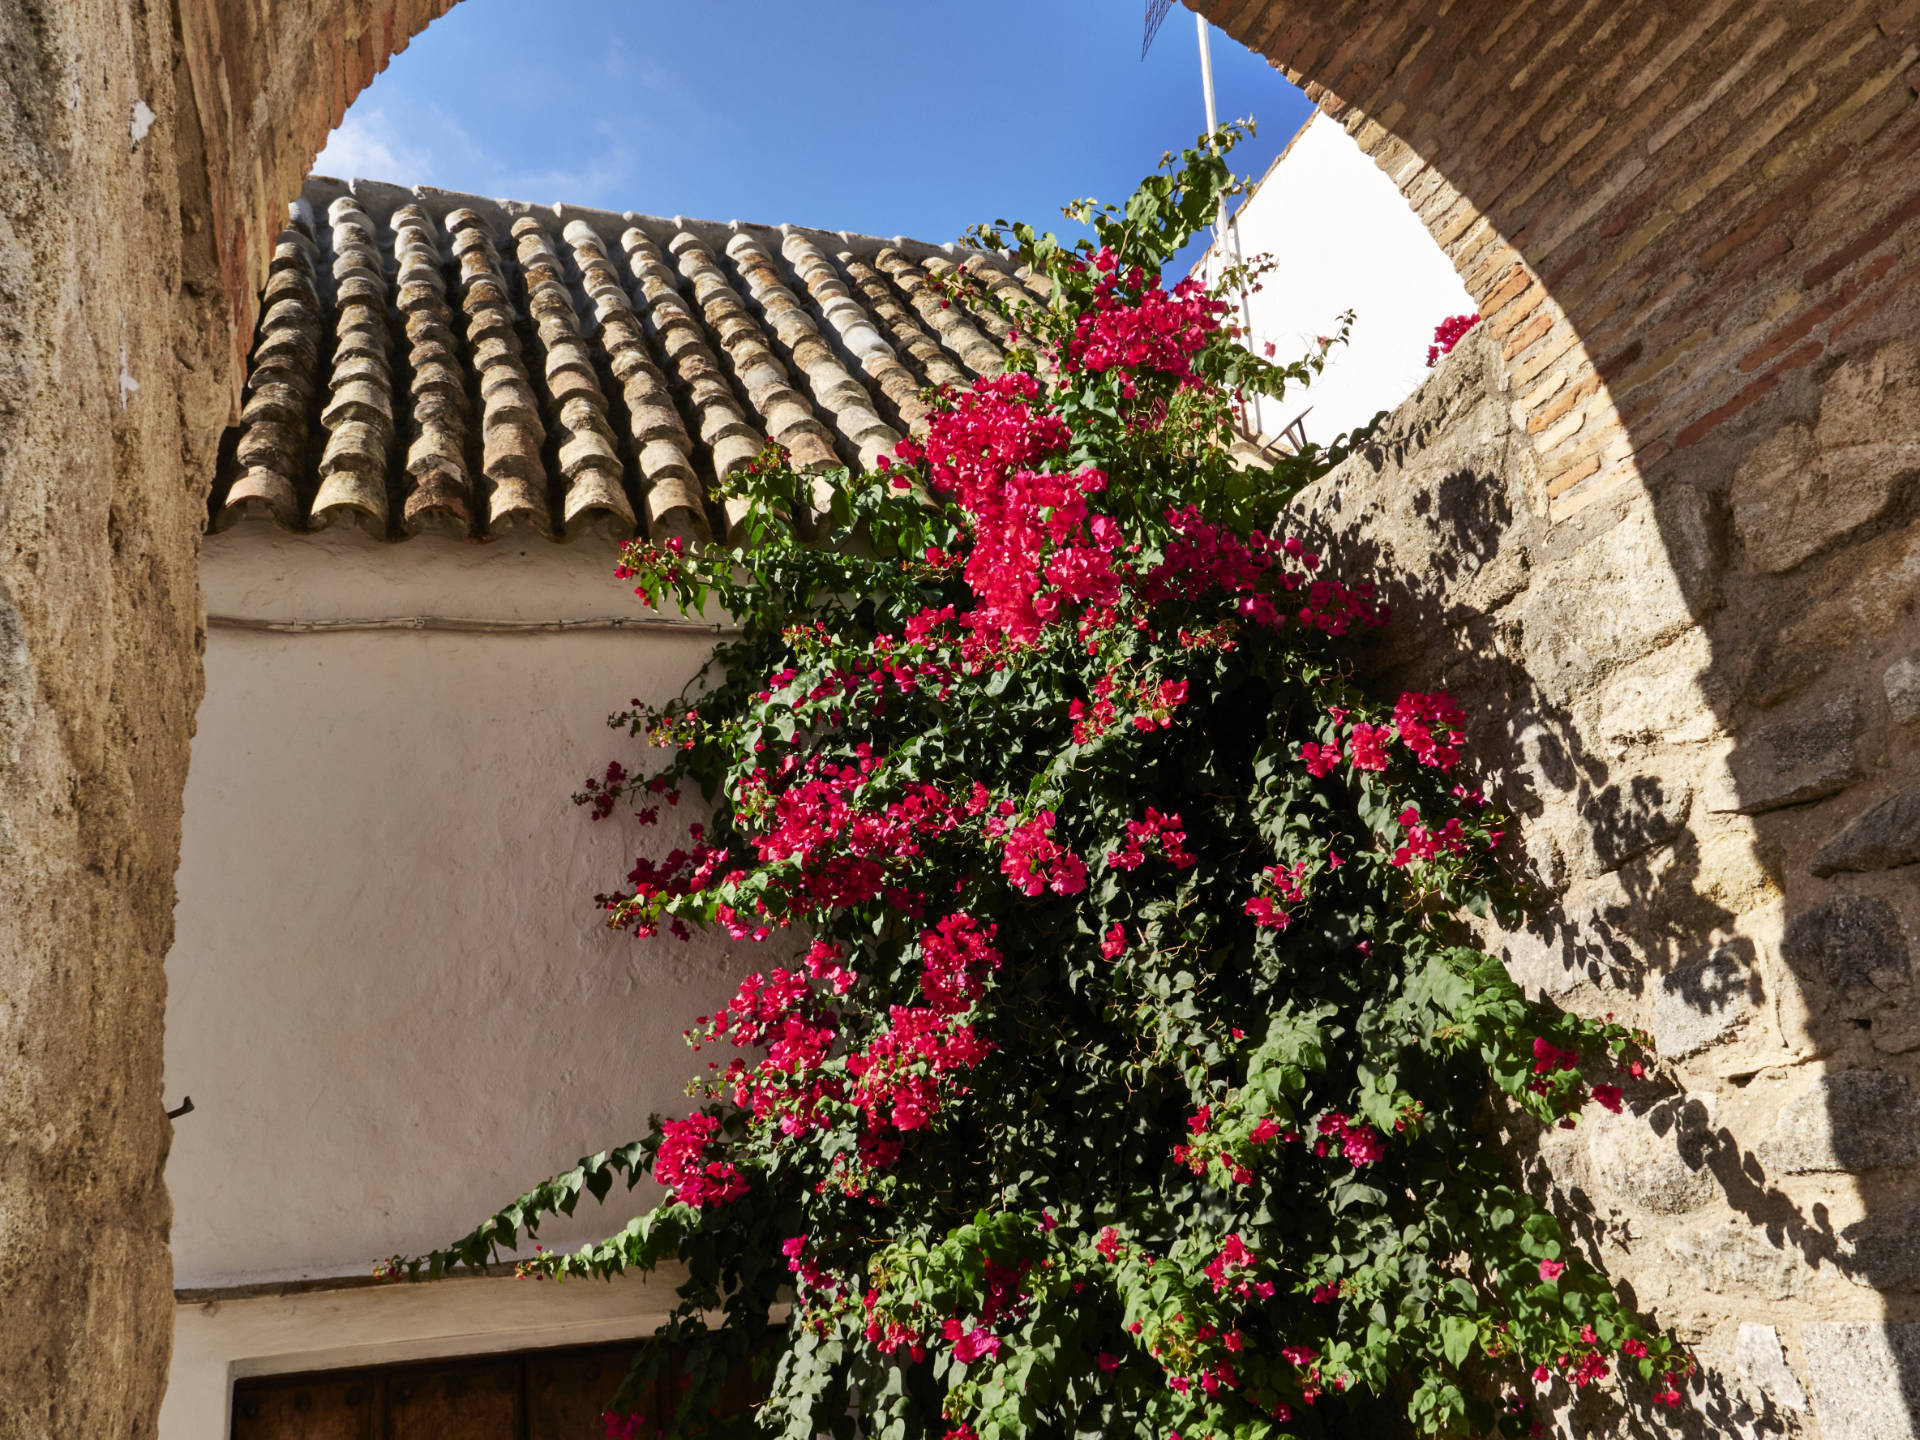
(1672, 866)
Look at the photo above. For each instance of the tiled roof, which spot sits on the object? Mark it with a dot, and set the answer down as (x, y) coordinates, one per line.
(434, 361)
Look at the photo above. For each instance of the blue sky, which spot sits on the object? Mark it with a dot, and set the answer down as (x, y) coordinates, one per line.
(892, 117)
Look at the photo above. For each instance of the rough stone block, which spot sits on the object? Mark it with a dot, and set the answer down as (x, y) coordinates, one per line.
(1660, 699)
(1624, 821)
(1621, 594)
(1896, 1032)
(1789, 763)
(1884, 1249)
(1902, 683)
(1763, 1365)
(1703, 1002)
(1739, 1261)
(1859, 597)
(1864, 1379)
(1851, 944)
(1885, 837)
(1433, 504)
(1801, 489)
(1662, 1170)
(1851, 1120)
(1591, 939)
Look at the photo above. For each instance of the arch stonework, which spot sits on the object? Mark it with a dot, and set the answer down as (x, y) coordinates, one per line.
(1666, 212)
(1692, 232)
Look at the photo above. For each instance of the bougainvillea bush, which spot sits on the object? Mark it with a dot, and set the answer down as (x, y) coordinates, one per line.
(1118, 1062)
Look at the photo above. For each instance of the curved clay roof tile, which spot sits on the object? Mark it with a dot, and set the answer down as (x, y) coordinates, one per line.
(472, 363)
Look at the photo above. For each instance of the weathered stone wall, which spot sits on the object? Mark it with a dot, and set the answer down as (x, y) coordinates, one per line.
(1705, 705)
(109, 411)
(147, 152)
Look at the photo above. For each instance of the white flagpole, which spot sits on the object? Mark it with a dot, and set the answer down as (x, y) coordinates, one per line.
(1226, 228)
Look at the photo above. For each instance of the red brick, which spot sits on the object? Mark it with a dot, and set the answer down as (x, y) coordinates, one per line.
(1874, 303)
(1714, 419)
(1515, 313)
(1560, 404)
(1872, 239)
(1897, 21)
(1804, 325)
(1511, 286)
(1783, 203)
(1533, 330)
(1558, 485)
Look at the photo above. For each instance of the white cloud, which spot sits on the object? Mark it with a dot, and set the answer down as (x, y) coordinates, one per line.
(368, 146)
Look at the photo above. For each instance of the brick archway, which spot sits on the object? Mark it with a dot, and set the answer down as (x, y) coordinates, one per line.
(1676, 220)
(1663, 213)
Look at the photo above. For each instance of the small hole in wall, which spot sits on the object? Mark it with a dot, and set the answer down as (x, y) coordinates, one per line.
(1742, 1081)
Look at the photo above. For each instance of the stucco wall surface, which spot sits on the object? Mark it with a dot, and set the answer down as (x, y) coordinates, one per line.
(391, 996)
(1676, 800)
(1341, 237)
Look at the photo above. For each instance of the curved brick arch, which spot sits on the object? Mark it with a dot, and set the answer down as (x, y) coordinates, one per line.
(1664, 211)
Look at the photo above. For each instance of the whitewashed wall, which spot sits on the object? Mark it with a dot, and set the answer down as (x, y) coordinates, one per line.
(1344, 238)
(390, 996)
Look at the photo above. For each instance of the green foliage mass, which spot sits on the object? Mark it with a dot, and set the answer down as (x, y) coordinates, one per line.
(1191, 1128)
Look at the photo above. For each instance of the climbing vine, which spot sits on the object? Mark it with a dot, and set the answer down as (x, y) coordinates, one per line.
(1121, 1062)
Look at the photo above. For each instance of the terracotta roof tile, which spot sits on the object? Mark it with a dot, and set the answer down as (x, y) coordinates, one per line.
(432, 361)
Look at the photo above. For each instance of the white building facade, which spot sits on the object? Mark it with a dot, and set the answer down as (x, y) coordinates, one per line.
(393, 1001)
(1341, 237)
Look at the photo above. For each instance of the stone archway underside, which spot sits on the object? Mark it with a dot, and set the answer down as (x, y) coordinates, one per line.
(1674, 217)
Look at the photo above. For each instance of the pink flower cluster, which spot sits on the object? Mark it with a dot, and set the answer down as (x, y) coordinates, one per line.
(1152, 705)
(969, 1346)
(956, 956)
(1134, 325)
(1428, 725)
(1359, 1142)
(1549, 1059)
(1037, 546)
(903, 1072)
(1285, 883)
(1034, 862)
(1416, 718)
(888, 1334)
(811, 1276)
(1162, 833)
(1229, 1269)
(1449, 333)
(1422, 843)
(682, 1165)
(842, 851)
(679, 873)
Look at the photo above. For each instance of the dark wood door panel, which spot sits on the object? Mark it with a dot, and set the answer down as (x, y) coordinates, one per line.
(463, 1400)
(535, 1395)
(317, 1408)
(568, 1390)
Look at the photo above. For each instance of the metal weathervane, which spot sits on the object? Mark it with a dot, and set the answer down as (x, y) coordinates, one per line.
(1156, 12)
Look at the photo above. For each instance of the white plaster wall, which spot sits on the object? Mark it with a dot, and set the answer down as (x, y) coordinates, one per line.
(391, 997)
(1344, 239)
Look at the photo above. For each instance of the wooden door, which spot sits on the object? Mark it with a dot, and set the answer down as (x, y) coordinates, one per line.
(537, 1395)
